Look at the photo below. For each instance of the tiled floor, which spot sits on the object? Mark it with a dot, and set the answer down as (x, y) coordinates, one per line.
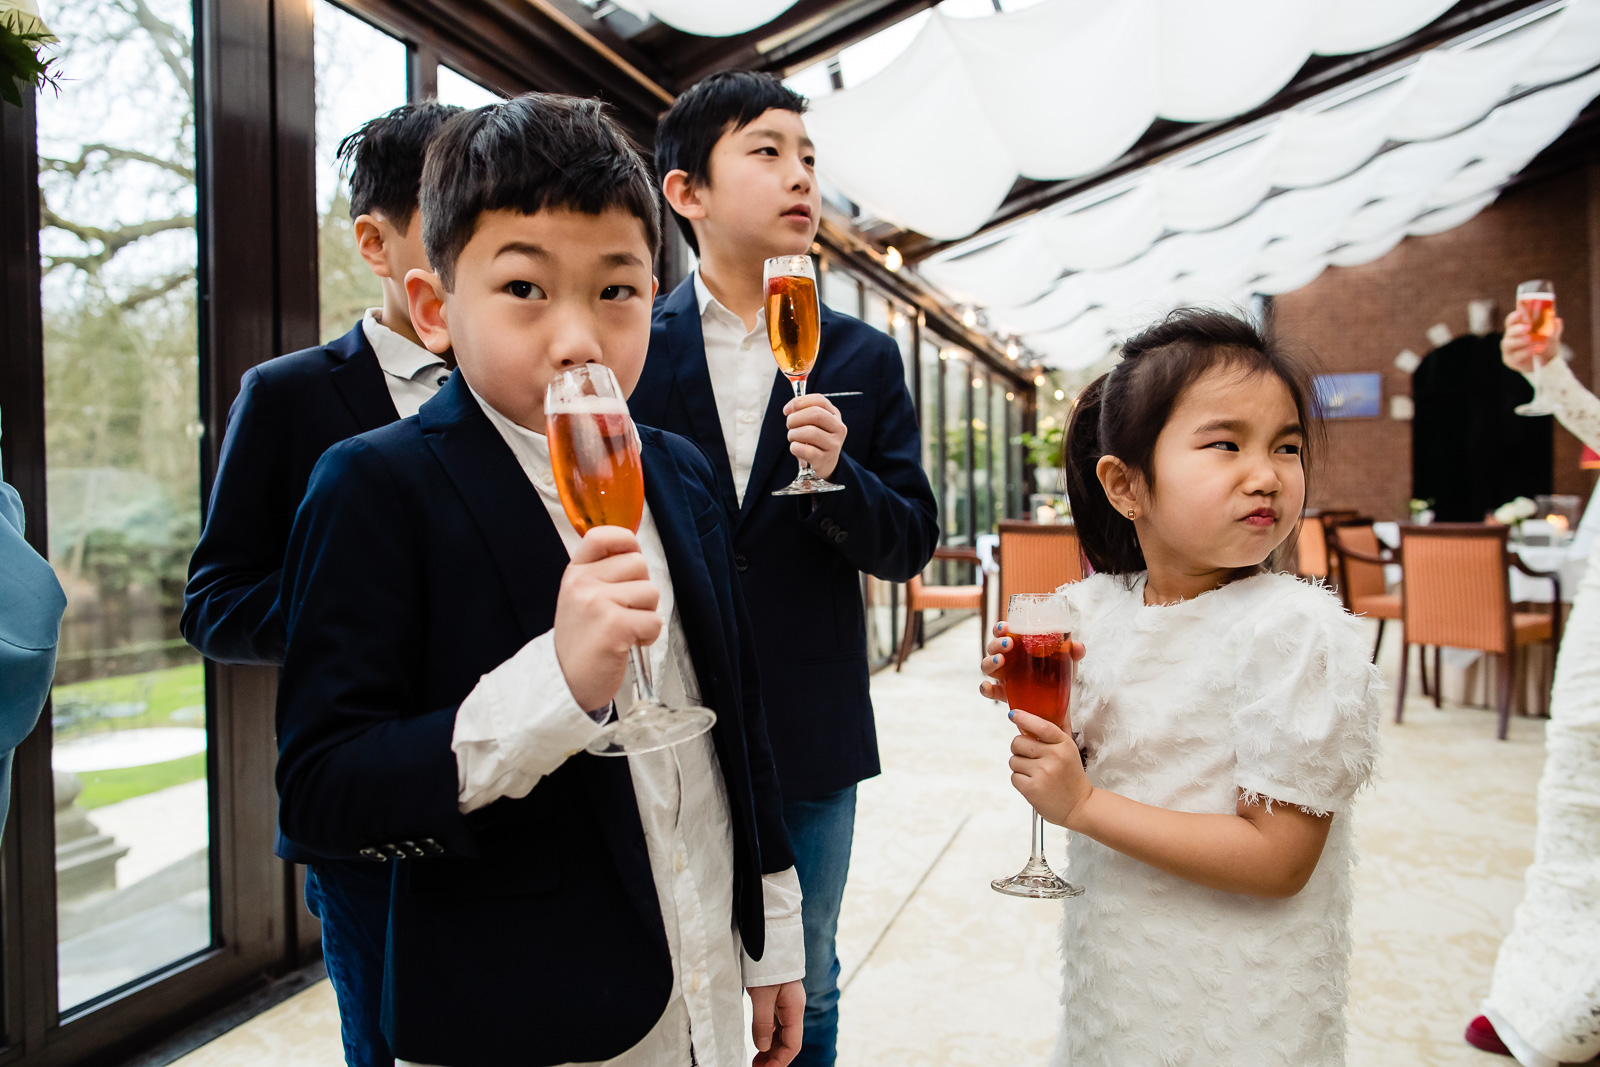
(941, 970)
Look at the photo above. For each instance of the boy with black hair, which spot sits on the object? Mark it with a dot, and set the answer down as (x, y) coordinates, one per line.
(738, 171)
(288, 412)
(454, 645)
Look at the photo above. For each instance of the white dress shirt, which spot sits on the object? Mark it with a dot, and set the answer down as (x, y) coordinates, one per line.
(412, 373)
(520, 723)
(742, 375)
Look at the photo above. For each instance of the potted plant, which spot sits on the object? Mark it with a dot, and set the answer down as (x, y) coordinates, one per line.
(22, 34)
(1047, 455)
(1421, 511)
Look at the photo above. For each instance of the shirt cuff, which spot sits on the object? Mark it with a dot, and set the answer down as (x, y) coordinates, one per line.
(784, 958)
(517, 725)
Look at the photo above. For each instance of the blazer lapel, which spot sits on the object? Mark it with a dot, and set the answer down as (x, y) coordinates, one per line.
(359, 379)
(686, 348)
(523, 541)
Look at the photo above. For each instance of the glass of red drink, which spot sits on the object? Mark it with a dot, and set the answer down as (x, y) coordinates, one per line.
(1038, 680)
(1537, 300)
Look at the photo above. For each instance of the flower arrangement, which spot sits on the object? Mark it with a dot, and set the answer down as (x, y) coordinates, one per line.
(1512, 512)
(22, 34)
(1421, 511)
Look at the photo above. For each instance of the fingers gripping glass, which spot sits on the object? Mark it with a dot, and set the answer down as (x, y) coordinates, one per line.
(1038, 678)
(594, 455)
(1537, 300)
(794, 328)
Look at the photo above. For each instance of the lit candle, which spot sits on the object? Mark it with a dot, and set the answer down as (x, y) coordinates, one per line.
(1046, 514)
(1558, 523)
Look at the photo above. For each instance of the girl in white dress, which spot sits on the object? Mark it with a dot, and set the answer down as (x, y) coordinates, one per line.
(1226, 716)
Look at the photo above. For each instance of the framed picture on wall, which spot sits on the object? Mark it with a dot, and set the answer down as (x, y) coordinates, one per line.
(1347, 396)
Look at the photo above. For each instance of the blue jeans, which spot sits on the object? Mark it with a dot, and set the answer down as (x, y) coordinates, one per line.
(352, 901)
(821, 831)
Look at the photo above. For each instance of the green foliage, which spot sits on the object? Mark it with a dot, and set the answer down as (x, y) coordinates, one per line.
(20, 64)
(107, 787)
(1045, 449)
(171, 696)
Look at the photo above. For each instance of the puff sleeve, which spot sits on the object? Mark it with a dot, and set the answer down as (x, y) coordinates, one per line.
(1305, 722)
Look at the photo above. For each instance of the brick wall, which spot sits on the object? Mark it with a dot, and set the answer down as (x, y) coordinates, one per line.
(1357, 319)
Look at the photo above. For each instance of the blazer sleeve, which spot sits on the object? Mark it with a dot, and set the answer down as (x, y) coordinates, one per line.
(885, 522)
(362, 761)
(230, 604)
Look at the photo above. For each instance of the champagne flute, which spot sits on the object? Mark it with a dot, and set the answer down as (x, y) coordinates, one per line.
(794, 328)
(1038, 676)
(594, 455)
(1537, 300)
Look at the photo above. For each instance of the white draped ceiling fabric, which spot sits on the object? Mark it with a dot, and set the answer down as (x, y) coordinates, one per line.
(1342, 180)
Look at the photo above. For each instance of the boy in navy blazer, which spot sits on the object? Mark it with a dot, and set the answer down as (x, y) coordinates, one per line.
(288, 412)
(737, 170)
(454, 644)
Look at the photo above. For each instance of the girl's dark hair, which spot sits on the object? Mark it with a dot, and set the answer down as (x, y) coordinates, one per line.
(1123, 412)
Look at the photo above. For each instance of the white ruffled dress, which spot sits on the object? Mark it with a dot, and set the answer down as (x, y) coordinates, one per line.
(1262, 687)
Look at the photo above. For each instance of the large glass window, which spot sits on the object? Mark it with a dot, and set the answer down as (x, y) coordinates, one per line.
(841, 291)
(122, 428)
(982, 462)
(461, 91)
(957, 447)
(361, 73)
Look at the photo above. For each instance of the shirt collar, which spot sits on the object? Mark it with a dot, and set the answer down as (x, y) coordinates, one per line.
(531, 449)
(396, 355)
(710, 305)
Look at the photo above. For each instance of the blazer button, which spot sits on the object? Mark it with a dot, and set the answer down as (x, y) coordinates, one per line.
(741, 564)
(839, 537)
(433, 846)
(373, 854)
(412, 847)
(394, 850)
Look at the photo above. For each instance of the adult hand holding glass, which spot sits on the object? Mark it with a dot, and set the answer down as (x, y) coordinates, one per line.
(1518, 346)
(1536, 305)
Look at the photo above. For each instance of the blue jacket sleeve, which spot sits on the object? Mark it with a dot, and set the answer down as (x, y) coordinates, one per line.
(885, 522)
(361, 760)
(230, 605)
(31, 606)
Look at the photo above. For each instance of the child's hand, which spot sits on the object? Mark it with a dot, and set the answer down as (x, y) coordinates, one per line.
(777, 1019)
(1518, 348)
(1047, 769)
(606, 606)
(994, 663)
(816, 432)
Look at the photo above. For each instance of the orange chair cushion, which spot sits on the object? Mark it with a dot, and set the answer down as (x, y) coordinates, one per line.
(1378, 606)
(948, 597)
(1530, 627)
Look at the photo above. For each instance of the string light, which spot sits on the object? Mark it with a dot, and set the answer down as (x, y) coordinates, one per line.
(1011, 396)
(1060, 395)
(892, 260)
(1013, 350)
(1040, 380)
(969, 318)
(977, 383)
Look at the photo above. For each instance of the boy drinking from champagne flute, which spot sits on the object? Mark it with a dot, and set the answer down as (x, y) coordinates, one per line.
(454, 645)
(738, 171)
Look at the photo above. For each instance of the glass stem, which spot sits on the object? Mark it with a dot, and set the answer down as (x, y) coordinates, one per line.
(1038, 859)
(644, 686)
(800, 391)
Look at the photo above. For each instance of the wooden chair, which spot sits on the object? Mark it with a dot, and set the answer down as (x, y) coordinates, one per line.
(920, 597)
(1455, 591)
(1358, 558)
(1037, 558)
(1312, 549)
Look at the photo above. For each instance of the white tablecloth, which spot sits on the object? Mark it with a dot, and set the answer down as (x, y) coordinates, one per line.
(986, 544)
(1566, 560)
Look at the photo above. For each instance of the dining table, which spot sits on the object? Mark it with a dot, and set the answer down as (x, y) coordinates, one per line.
(1569, 560)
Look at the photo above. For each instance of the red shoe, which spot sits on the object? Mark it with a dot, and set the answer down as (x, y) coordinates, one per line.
(1480, 1035)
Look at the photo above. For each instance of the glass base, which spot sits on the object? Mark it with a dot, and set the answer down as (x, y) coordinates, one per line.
(1533, 409)
(807, 482)
(652, 729)
(1038, 881)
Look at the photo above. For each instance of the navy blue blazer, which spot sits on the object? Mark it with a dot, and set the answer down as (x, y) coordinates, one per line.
(288, 412)
(800, 559)
(529, 931)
